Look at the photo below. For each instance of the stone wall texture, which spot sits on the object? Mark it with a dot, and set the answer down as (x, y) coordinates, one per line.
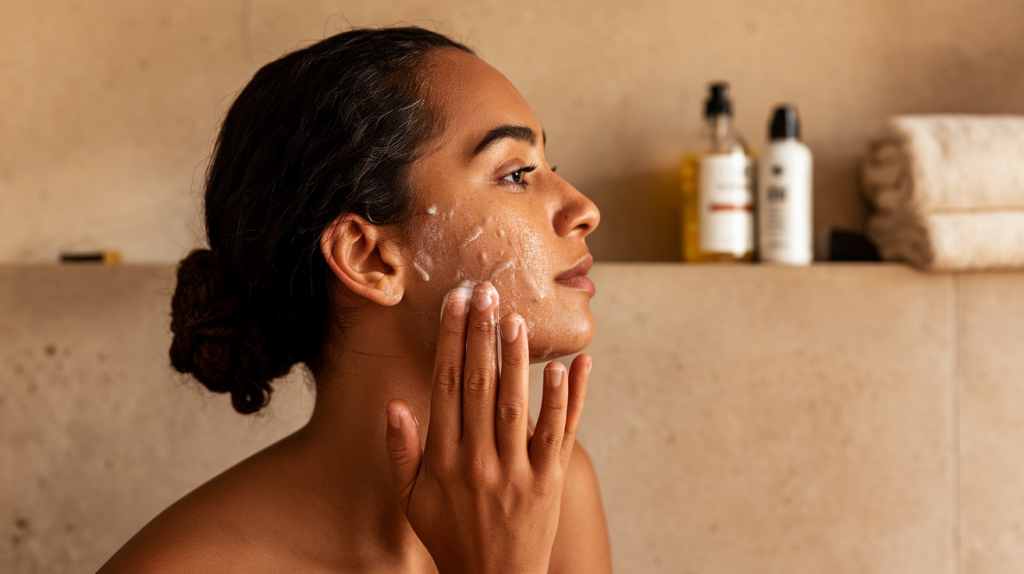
(837, 418)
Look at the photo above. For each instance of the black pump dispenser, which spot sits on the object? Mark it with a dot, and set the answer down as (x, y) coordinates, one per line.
(718, 102)
(784, 124)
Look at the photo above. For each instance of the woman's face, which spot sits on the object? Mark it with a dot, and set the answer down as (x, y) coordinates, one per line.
(488, 207)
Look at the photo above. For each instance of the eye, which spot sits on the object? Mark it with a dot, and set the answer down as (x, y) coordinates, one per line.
(515, 176)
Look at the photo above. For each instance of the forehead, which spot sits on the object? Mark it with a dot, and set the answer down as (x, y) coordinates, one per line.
(474, 97)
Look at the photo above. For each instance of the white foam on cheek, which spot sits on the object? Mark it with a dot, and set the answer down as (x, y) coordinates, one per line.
(479, 231)
(429, 240)
(518, 263)
(529, 259)
(423, 272)
(501, 269)
(539, 294)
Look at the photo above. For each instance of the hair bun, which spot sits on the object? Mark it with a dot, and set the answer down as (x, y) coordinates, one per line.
(211, 332)
(330, 129)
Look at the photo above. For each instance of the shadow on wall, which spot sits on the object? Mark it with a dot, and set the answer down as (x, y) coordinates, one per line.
(837, 197)
(641, 218)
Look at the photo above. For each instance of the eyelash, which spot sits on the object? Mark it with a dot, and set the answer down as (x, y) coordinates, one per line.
(522, 172)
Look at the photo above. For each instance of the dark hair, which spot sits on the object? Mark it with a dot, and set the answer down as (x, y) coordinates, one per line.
(329, 129)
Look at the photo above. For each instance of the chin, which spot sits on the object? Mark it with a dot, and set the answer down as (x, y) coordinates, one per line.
(569, 336)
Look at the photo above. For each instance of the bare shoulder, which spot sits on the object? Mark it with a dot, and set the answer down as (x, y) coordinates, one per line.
(183, 538)
(218, 527)
(581, 543)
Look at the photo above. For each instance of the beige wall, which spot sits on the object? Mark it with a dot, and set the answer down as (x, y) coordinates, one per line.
(107, 109)
(840, 419)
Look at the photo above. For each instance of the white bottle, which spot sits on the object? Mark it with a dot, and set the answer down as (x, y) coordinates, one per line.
(784, 194)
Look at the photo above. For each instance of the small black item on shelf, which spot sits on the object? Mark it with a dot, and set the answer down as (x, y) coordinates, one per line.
(844, 245)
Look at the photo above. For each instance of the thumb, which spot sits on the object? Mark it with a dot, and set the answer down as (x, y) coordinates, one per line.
(404, 450)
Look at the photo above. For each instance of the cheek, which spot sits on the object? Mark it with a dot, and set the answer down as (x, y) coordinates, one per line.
(511, 254)
(519, 259)
(430, 246)
(451, 248)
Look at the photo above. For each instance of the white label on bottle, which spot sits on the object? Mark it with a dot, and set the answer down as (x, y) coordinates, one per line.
(784, 204)
(725, 195)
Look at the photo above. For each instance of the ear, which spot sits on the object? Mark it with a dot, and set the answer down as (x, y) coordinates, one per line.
(365, 259)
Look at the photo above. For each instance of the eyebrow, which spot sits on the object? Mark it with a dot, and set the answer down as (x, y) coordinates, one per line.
(521, 133)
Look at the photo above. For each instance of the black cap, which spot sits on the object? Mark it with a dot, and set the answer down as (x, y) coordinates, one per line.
(718, 103)
(784, 124)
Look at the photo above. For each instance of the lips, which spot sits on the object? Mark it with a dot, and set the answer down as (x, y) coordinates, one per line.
(576, 276)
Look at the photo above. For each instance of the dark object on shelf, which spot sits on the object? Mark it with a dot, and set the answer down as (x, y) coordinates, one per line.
(102, 257)
(843, 245)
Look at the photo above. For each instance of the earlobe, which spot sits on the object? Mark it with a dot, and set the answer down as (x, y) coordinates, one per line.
(366, 260)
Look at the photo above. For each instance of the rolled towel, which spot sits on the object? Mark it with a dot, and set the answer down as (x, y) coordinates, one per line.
(934, 163)
(951, 241)
(948, 191)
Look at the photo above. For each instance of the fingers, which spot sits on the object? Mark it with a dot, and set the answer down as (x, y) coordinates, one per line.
(468, 405)
(546, 443)
(404, 451)
(446, 397)
(512, 414)
(579, 374)
(480, 378)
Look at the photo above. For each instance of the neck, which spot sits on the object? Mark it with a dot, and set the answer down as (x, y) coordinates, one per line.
(342, 446)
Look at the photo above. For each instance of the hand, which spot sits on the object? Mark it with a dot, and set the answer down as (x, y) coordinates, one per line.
(482, 494)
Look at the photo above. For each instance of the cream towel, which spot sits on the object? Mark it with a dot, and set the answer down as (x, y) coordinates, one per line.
(948, 191)
(940, 163)
(951, 241)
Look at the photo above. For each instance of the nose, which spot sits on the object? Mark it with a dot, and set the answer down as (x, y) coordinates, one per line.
(576, 216)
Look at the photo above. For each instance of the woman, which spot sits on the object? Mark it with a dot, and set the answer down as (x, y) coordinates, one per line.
(360, 189)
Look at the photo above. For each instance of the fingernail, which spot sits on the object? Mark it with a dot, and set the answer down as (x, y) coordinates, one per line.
(457, 301)
(510, 330)
(394, 419)
(484, 296)
(554, 376)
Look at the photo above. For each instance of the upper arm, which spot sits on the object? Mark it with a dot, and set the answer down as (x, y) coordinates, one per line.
(581, 541)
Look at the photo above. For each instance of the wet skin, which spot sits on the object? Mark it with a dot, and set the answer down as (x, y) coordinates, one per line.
(489, 207)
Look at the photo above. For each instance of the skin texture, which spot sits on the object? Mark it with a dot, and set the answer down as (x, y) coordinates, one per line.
(474, 223)
(416, 458)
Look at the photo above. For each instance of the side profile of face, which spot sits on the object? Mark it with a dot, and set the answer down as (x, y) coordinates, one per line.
(488, 207)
